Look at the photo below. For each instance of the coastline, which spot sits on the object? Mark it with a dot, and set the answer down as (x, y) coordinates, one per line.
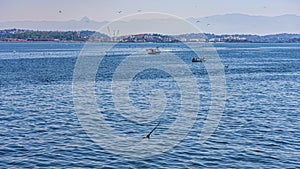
(22, 41)
(21, 35)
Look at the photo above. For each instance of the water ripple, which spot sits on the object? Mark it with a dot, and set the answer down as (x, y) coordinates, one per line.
(259, 128)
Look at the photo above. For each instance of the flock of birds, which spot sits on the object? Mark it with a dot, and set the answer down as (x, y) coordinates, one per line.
(119, 12)
(122, 11)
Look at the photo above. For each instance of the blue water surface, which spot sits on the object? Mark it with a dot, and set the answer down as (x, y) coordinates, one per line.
(259, 127)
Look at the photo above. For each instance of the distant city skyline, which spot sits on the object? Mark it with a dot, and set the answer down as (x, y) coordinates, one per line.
(103, 10)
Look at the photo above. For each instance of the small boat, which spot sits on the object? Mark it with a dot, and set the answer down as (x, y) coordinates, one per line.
(198, 60)
(152, 51)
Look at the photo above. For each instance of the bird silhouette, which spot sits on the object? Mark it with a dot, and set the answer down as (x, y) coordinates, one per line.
(148, 135)
(119, 12)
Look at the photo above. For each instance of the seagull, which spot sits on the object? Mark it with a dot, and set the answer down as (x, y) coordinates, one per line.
(197, 21)
(139, 10)
(148, 135)
(207, 24)
(119, 12)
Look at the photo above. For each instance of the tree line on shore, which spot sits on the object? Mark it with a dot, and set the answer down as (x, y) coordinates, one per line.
(31, 35)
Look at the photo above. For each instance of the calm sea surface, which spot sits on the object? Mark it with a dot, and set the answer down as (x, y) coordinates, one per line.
(259, 128)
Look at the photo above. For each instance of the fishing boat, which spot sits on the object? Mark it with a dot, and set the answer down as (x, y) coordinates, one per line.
(152, 51)
(198, 60)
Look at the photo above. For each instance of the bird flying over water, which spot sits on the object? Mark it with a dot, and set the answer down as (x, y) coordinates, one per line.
(148, 135)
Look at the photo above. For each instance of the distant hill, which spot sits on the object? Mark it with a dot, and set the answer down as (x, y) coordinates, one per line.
(246, 24)
(17, 35)
(84, 24)
(217, 24)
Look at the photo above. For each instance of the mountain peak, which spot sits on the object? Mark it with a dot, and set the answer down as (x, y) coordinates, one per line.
(85, 19)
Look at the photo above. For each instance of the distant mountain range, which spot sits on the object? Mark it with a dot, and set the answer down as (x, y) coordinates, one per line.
(217, 24)
(246, 24)
(84, 24)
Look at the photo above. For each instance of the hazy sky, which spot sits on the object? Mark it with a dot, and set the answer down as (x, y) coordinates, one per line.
(100, 10)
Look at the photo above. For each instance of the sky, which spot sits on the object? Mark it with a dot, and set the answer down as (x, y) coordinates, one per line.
(108, 10)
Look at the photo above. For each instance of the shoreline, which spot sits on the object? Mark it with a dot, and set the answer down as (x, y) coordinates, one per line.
(24, 41)
(20, 35)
